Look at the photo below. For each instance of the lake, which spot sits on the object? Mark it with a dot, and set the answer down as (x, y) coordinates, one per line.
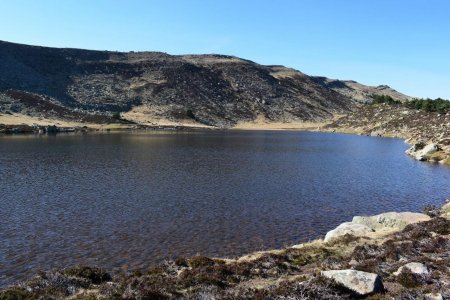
(130, 200)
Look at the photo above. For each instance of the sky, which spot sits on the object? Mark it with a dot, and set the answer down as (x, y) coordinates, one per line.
(402, 43)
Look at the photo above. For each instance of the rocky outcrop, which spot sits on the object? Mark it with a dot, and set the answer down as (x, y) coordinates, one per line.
(432, 152)
(362, 283)
(421, 152)
(390, 220)
(369, 226)
(357, 230)
(413, 267)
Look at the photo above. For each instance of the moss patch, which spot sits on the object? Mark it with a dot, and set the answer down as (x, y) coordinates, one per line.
(16, 293)
(95, 275)
(311, 255)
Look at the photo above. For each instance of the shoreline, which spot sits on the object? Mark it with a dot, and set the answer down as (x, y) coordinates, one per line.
(430, 151)
(365, 250)
(303, 268)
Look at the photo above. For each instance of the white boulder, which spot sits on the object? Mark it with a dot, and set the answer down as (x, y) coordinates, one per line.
(391, 220)
(363, 226)
(415, 268)
(432, 296)
(445, 210)
(357, 230)
(362, 283)
(421, 153)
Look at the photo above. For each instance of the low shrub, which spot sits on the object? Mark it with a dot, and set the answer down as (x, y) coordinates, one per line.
(431, 105)
(431, 210)
(378, 99)
(95, 275)
(116, 115)
(16, 293)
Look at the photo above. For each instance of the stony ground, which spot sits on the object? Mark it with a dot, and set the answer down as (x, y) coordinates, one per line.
(292, 273)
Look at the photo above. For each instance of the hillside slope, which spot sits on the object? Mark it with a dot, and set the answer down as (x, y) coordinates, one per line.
(89, 86)
(359, 92)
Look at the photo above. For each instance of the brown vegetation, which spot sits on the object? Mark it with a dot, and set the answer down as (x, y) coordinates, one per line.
(290, 273)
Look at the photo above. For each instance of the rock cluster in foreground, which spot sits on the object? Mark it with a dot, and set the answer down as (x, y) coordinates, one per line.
(404, 256)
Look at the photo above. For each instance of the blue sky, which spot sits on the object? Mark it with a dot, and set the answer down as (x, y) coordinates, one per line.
(402, 43)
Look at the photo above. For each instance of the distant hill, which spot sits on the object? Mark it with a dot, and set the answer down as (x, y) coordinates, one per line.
(359, 92)
(217, 90)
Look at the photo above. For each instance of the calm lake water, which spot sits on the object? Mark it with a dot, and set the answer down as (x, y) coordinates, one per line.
(130, 200)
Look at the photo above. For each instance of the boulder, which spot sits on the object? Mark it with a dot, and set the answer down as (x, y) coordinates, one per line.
(375, 133)
(431, 296)
(416, 147)
(415, 268)
(445, 210)
(390, 220)
(357, 230)
(363, 226)
(421, 153)
(362, 283)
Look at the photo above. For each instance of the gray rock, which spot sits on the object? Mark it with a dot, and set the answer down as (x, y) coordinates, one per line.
(431, 296)
(357, 230)
(422, 153)
(362, 226)
(391, 220)
(362, 283)
(445, 210)
(414, 267)
(375, 133)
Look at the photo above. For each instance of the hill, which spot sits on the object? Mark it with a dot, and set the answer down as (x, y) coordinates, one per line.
(86, 86)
